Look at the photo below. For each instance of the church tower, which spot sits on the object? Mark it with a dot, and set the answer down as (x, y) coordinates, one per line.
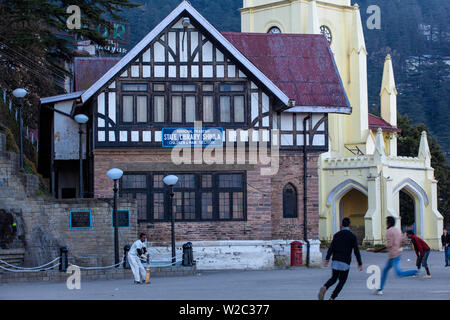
(341, 24)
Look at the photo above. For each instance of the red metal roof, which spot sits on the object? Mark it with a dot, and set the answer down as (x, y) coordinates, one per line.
(377, 122)
(301, 65)
(88, 70)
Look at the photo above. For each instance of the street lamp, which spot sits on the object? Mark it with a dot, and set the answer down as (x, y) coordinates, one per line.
(170, 181)
(115, 174)
(81, 119)
(20, 93)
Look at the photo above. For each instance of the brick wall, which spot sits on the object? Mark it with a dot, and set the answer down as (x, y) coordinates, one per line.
(257, 227)
(291, 171)
(264, 196)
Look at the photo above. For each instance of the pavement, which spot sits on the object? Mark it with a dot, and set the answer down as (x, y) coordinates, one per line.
(297, 283)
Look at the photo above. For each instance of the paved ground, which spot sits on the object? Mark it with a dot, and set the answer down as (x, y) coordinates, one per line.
(297, 283)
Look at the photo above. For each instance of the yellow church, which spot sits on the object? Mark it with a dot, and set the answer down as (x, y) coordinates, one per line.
(361, 175)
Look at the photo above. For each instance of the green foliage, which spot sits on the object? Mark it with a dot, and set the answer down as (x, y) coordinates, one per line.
(408, 145)
(32, 50)
(10, 127)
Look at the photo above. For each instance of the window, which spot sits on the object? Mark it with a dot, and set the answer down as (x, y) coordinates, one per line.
(274, 30)
(232, 103)
(238, 108)
(158, 109)
(134, 105)
(158, 87)
(225, 109)
(214, 103)
(134, 87)
(127, 108)
(231, 87)
(289, 201)
(184, 109)
(208, 109)
(184, 87)
(198, 196)
(141, 109)
(190, 108)
(177, 109)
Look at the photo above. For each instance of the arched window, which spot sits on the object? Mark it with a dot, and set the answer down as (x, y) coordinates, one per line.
(274, 30)
(289, 201)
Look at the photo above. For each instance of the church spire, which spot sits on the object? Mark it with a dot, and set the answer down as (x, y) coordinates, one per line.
(424, 149)
(313, 26)
(388, 93)
(357, 41)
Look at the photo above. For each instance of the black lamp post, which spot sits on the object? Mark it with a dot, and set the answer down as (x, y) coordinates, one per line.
(20, 94)
(81, 119)
(170, 181)
(115, 174)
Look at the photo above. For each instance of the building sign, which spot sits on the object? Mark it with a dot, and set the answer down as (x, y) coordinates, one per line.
(123, 217)
(192, 137)
(80, 219)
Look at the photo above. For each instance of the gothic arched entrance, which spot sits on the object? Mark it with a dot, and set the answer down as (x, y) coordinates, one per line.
(354, 205)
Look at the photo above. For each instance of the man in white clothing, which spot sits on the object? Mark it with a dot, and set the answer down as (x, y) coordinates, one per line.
(137, 252)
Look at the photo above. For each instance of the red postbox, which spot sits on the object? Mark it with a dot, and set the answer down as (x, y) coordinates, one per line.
(296, 254)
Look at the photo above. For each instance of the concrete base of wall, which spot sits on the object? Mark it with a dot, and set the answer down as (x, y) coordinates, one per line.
(109, 274)
(239, 254)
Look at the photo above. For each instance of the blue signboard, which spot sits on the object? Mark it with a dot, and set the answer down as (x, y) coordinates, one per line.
(192, 137)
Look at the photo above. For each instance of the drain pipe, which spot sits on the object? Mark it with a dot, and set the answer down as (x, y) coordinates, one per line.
(305, 190)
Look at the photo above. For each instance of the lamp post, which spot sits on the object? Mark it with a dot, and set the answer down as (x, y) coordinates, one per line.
(170, 181)
(20, 94)
(81, 119)
(115, 174)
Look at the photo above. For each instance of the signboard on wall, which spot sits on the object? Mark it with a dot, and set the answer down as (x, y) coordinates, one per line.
(123, 217)
(80, 219)
(192, 137)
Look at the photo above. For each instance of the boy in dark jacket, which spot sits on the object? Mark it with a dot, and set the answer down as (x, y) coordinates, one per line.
(422, 251)
(445, 239)
(342, 245)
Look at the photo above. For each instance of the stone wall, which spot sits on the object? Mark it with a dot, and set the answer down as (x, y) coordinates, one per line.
(43, 223)
(46, 228)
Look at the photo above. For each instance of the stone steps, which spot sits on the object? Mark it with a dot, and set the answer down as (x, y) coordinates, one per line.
(12, 256)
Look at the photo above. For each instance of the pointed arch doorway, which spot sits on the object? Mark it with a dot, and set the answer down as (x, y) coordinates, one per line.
(354, 205)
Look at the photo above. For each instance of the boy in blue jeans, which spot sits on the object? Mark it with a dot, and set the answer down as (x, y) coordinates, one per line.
(394, 243)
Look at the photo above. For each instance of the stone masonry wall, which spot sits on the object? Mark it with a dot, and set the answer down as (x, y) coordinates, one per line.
(43, 222)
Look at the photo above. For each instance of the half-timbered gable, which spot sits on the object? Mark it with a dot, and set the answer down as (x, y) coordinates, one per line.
(185, 73)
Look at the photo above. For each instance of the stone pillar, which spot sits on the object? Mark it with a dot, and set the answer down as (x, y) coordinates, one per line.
(372, 218)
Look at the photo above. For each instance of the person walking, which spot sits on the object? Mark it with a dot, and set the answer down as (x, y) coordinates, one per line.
(445, 239)
(137, 252)
(342, 245)
(422, 251)
(394, 244)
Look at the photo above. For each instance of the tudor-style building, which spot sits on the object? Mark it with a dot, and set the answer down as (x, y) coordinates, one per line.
(256, 88)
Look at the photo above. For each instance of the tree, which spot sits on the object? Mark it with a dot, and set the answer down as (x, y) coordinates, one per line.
(32, 49)
(408, 145)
